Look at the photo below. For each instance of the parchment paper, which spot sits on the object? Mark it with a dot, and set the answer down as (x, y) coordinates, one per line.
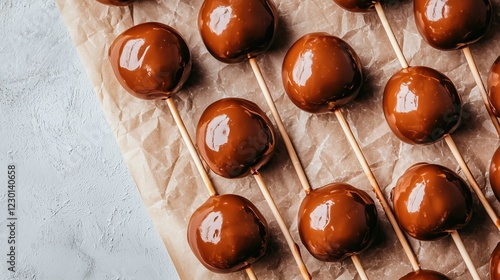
(170, 185)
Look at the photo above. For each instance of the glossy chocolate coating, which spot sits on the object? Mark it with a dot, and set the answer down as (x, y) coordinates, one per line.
(116, 2)
(227, 233)
(494, 87)
(235, 137)
(452, 24)
(421, 105)
(495, 263)
(357, 6)
(424, 275)
(321, 73)
(495, 173)
(150, 60)
(235, 30)
(430, 201)
(337, 221)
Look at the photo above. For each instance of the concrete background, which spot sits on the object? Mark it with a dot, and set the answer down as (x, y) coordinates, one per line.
(79, 213)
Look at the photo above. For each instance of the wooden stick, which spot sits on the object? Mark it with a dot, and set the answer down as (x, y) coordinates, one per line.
(359, 267)
(376, 188)
(277, 118)
(284, 229)
(480, 85)
(190, 146)
(250, 273)
(465, 255)
(449, 141)
(461, 162)
(390, 34)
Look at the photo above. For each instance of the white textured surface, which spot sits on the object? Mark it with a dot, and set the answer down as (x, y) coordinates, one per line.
(80, 214)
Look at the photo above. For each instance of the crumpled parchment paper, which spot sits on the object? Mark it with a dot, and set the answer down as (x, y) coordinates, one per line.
(172, 189)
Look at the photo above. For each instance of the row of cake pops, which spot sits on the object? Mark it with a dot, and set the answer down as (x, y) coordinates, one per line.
(330, 104)
(161, 70)
(476, 18)
(455, 25)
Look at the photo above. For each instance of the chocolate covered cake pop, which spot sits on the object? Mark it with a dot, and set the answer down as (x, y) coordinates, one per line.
(150, 60)
(452, 24)
(227, 233)
(321, 73)
(356, 6)
(430, 201)
(424, 275)
(235, 30)
(116, 2)
(495, 173)
(337, 221)
(494, 87)
(495, 263)
(421, 105)
(235, 137)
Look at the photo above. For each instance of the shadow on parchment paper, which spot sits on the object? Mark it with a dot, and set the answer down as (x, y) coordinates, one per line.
(366, 93)
(393, 3)
(470, 124)
(196, 77)
(477, 226)
(368, 90)
(381, 240)
(280, 158)
(480, 218)
(469, 120)
(271, 260)
(283, 38)
(493, 35)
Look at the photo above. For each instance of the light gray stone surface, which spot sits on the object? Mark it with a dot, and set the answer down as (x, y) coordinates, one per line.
(79, 213)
